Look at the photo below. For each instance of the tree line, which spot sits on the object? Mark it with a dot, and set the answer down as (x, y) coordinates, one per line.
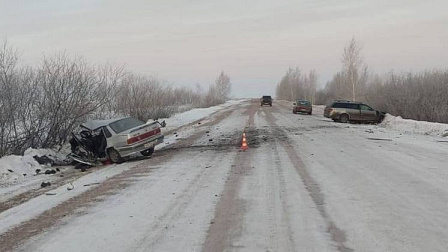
(419, 96)
(40, 106)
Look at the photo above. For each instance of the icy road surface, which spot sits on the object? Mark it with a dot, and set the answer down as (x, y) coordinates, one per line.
(305, 184)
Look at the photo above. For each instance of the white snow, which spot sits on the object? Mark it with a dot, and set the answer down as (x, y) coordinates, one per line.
(16, 169)
(415, 127)
(19, 169)
(38, 205)
(190, 116)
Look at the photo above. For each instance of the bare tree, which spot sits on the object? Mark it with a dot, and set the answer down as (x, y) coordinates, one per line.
(312, 80)
(223, 86)
(352, 61)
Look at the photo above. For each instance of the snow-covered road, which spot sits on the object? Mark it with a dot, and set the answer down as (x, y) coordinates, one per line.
(305, 184)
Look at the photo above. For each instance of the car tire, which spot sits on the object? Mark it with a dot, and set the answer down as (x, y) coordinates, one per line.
(343, 118)
(310, 113)
(270, 105)
(148, 152)
(114, 156)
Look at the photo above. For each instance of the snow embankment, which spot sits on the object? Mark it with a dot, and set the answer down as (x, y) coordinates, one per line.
(16, 169)
(190, 116)
(415, 127)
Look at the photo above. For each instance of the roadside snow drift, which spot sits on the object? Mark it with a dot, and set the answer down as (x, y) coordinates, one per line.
(190, 116)
(415, 127)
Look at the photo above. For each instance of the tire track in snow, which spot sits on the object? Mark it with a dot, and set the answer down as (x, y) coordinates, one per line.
(313, 188)
(229, 211)
(286, 219)
(174, 210)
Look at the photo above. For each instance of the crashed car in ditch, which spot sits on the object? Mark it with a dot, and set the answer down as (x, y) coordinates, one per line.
(114, 139)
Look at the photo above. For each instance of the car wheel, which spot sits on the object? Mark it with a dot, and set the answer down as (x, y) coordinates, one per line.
(270, 105)
(310, 113)
(148, 152)
(343, 118)
(114, 156)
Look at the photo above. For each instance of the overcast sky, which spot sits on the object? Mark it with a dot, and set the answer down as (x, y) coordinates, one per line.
(189, 42)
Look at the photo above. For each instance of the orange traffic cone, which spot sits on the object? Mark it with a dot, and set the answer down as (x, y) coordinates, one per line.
(244, 143)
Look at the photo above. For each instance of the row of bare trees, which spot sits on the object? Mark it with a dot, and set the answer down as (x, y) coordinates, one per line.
(294, 85)
(40, 106)
(419, 96)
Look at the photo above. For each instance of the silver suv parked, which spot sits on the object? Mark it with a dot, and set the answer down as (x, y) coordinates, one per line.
(350, 111)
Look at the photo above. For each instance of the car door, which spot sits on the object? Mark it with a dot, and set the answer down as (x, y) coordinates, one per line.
(354, 112)
(368, 113)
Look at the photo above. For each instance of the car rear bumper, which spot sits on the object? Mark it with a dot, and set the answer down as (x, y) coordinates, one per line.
(129, 150)
(331, 115)
(303, 109)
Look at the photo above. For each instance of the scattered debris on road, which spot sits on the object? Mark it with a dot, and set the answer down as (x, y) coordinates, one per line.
(379, 139)
(45, 184)
(91, 184)
(70, 187)
(50, 172)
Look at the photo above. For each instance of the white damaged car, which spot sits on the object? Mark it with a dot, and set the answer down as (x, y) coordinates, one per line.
(114, 139)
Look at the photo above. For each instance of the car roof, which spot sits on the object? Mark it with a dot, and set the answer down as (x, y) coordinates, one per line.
(95, 124)
(346, 101)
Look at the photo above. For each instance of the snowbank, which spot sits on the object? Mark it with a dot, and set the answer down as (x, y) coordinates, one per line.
(16, 169)
(190, 116)
(415, 127)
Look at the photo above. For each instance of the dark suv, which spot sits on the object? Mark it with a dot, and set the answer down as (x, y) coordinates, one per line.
(350, 111)
(266, 100)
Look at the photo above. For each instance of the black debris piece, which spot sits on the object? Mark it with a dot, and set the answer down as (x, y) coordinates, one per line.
(10, 170)
(50, 172)
(43, 160)
(37, 171)
(45, 184)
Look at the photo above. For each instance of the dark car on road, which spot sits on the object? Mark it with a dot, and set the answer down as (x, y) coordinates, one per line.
(302, 106)
(350, 111)
(266, 100)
